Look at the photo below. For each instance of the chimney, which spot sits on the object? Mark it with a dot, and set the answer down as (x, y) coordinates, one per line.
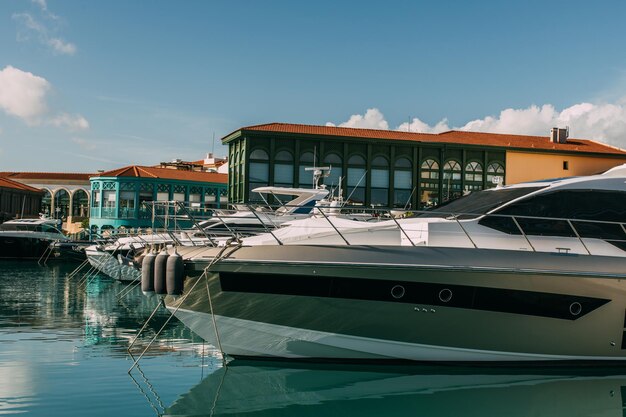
(558, 135)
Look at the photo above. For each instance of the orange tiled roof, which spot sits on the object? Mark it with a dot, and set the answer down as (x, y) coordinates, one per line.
(7, 183)
(165, 173)
(452, 136)
(47, 175)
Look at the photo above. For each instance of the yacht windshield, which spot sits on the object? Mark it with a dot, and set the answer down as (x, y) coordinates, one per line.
(479, 203)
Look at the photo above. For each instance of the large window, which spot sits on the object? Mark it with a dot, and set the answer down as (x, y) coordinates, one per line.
(46, 202)
(402, 183)
(109, 203)
(127, 204)
(451, 180)
(61, 204)
(179, 193)
(380, 181)
(356, 180)
(146, 194)
(163, 192)
(473, 176)
(305, 178)
(495, 174)
(334, 161)
(429, 183)
(283, 169)
(80, 204)
(259, 175)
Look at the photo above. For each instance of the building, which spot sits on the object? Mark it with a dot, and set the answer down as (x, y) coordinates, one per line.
(65, 195)
(18, 200)
(401, 169)
(117, 196)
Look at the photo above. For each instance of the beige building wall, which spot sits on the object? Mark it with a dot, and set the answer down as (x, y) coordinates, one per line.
(530, 166)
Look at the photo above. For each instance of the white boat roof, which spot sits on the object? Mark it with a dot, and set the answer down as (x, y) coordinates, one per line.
(292, 191)
(33, 221)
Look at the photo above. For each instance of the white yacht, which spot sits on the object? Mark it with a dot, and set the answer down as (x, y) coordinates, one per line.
(524, 273)
(28, 238)
(117, 258)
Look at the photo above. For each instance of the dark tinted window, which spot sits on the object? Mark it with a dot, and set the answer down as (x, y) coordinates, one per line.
(598, 205)
(482, 202)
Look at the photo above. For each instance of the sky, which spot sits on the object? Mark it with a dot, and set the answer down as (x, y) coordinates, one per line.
(90, 85)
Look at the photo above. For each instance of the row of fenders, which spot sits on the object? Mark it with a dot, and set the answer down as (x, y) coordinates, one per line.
(162, 274)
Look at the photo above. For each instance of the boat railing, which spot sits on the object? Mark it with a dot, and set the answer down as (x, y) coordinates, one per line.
(529, 228)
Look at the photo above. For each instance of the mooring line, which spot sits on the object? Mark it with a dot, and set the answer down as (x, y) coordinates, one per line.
(219, 256)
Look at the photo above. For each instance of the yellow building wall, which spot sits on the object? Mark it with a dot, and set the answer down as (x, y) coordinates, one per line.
(530, 166)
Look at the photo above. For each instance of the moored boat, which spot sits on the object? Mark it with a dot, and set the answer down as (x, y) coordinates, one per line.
(29, 238)
(534, 272)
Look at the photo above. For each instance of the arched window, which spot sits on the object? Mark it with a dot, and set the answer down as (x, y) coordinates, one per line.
(451, 180)
(380, 181)
(61, 204)
(259, 175)
(429, 183)
(305, 178)
(80, 204)
(283, 169)
(473, 176)
(495, 174)
(334, 161)
(356, 180)
(46, 201)
(259, 154)
(402, 182)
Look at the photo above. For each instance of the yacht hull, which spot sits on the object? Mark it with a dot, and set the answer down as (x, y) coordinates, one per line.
(408, 303)
(22, 247)
(112, 266)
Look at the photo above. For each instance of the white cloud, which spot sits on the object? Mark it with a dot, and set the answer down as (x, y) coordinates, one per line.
(84, 143)
(62, 47)
(45, 33)
(604, 122)
(23, 94)
(72, 122)
(373, 119)
(417, 125)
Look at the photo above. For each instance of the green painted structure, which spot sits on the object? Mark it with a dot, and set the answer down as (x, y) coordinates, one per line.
(117, 196)
(376, 168)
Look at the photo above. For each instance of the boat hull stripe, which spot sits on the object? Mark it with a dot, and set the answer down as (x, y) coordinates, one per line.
(558, 306)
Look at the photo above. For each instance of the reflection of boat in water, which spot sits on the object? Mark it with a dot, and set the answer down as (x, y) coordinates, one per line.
(244, 388)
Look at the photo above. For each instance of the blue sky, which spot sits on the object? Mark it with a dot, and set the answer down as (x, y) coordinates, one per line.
(97, 85)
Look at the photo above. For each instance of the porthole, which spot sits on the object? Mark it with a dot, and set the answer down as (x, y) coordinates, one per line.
(397, 291)
(575, 308)
(445, 295)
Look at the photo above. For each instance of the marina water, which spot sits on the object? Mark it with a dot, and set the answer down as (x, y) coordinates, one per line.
(63, 352)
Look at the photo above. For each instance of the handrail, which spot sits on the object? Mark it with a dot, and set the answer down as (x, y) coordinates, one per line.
(265, 226)
(456, 218)
(573, 224)
(578, 236)
(334, 227)
(523, 234)
(196, 225)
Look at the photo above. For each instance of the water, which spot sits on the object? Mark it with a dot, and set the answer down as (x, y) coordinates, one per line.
(63, 353)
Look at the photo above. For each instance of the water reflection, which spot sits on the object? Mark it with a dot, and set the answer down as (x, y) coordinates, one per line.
(35, 298)
(63, 352)
(63, 345)
(258, 389)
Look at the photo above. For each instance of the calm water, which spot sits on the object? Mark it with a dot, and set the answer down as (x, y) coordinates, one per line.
(63, 353)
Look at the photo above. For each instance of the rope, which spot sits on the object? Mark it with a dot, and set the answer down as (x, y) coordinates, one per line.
(219, 256)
